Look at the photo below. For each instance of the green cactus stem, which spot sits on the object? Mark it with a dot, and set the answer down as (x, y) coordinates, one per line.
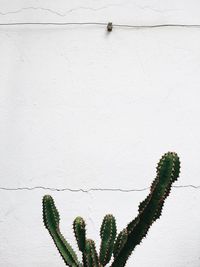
(108, 234)
(51, 221)
(80, 235)
(80, 232)
(120, 242)
(91, 257)
(150, 209)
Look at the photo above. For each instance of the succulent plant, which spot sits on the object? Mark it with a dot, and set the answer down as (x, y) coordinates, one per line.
(116, 247)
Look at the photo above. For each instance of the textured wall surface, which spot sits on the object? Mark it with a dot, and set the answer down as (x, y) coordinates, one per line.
(83, 109)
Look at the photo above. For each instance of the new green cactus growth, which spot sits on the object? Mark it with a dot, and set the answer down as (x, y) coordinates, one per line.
(91, 256)
(120, 242)
(108, 234)
(80, 232)
(122, 245)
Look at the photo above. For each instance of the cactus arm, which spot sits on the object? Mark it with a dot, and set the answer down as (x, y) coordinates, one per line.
(120, 242)
(80, 235)
(80, 232)
(90, 254)
(51, 221)
(108, 234)
(150, 209)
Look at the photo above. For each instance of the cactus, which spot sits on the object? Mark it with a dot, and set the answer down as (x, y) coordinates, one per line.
(120, 242)
(80, 232)
(51, 221)
(108, 234)
(122, 245)
(150, 209)
(80, 235)
(91, 256)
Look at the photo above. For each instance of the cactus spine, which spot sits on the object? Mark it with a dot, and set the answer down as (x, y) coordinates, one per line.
(149, 211)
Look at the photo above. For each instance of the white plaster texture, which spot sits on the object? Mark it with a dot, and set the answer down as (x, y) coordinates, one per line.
(82, 109)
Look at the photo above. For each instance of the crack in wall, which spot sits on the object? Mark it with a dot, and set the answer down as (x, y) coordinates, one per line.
(73, 190)
(159, 10)
(90, 189)
(56, 12)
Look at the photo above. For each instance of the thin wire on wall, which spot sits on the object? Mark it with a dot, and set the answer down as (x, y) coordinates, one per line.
(98, 24)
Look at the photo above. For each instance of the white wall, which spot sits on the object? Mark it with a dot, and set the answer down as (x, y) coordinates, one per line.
(83, 109)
